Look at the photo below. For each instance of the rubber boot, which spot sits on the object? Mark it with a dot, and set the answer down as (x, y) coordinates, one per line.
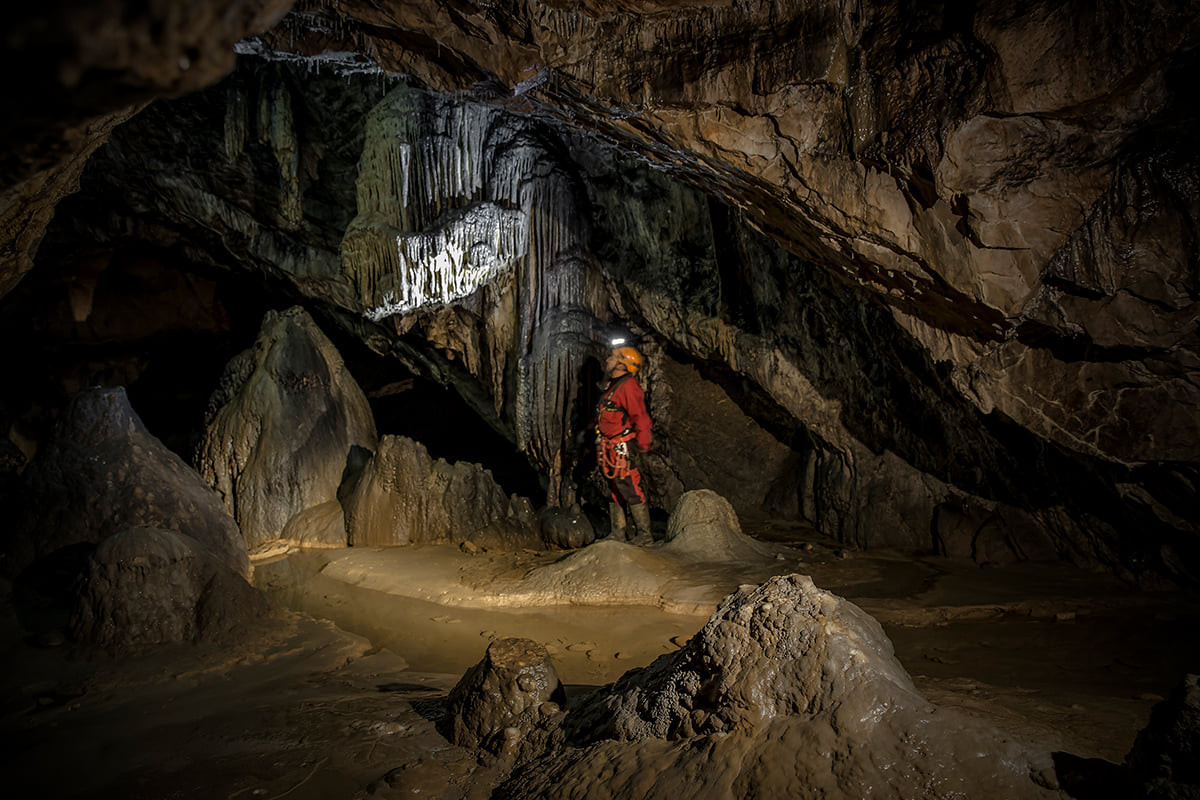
(641, 520)
(616, 519)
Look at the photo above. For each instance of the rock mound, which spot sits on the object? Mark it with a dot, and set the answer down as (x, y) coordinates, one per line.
(282, 426)
(787, 691)
(511, 692)
(607, 572)
(102, 472)
(403, 496)
(704, 527)
(147, 586)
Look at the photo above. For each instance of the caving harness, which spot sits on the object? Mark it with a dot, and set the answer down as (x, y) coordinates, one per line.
(612, 452)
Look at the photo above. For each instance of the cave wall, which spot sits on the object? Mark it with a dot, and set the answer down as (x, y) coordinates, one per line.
(975, 321)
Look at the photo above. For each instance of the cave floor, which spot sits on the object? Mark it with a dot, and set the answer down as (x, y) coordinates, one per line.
(305, 708)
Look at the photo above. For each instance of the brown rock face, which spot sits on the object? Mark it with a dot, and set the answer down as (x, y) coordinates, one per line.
(283, 427)
(103, 473)
(983, 293)
(85, 68)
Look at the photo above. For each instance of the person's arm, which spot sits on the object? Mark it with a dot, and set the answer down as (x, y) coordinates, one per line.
(634, 403)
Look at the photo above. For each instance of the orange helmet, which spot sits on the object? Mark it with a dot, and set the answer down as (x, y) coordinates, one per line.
(631, 358)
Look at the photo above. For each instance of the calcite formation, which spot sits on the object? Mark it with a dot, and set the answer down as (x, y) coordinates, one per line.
(511, 692)
(402, 496)
(282, 427)
(145, 586)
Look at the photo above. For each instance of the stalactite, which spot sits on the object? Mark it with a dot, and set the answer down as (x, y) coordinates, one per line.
(282, 136)
(235, 123)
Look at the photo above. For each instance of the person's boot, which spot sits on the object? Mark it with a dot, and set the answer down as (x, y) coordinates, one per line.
(616, 519)
(641, 520)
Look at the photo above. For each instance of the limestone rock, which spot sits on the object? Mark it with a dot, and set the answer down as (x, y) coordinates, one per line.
(103, 472)
(405, 497)
(322, 525)
(568, 528)
(511, 692)
(282, 426)
(786, 691)
(148, 586)
(704, 527)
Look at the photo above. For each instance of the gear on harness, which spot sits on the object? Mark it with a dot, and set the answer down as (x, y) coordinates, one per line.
(612, 454)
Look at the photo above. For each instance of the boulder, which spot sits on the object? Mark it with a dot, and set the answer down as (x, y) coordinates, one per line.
(102, 472)
(282, 426)
(404, 496)
(568, 528)
(787, 691)
(148, 586)
(513, 691)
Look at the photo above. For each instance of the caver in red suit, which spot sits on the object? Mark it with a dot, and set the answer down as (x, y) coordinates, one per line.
(623, 428)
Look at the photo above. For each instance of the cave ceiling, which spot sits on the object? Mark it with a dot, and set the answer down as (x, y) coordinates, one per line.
(947, 252)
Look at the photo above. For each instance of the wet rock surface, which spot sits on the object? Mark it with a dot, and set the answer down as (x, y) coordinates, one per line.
(282, 428)
(568, 528)
(102, 473)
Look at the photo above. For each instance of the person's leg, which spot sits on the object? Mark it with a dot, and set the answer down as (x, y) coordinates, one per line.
(616, 520)
(629, 490)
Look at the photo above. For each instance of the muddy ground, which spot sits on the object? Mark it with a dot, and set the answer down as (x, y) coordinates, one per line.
(338, 695)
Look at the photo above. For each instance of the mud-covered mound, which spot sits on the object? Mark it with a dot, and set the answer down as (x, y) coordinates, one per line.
(787, 691)
(608, 572)
(704, 527)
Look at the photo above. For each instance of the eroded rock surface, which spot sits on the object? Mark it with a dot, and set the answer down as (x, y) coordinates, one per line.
(1166, 756)
(786, 691)
(282, 427)
(511, 692)
(404, 497)
(103, 472)
(148, 586)
(979, 293)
